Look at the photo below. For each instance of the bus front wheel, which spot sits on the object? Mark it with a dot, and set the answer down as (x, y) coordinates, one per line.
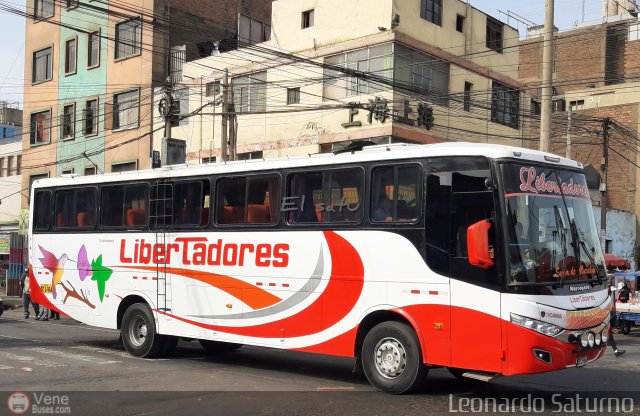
(139, 334)
(391, 358)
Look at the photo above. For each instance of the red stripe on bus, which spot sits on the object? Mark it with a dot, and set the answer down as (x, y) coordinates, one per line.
(433, 292)
(272, 284)
(341, 294)
(415, 292)
(254, 297)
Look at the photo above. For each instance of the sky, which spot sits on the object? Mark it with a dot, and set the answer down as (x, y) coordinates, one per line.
(568, 12)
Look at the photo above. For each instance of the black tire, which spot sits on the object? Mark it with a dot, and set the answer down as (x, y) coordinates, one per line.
(626, 328)
(217, 347)
(404, 370)
(139, 332)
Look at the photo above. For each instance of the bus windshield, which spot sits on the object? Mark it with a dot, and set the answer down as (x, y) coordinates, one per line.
(551, 231)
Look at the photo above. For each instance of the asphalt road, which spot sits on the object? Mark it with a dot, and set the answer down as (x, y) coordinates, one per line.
(92, 368)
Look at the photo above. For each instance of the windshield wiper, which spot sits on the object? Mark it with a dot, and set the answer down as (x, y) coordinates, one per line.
(591, 260)
(572, 227)
(563, 242)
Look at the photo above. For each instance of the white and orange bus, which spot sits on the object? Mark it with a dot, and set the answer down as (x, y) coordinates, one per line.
(480, 258)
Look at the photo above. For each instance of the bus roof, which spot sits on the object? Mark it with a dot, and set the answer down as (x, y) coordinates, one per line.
(397, 151)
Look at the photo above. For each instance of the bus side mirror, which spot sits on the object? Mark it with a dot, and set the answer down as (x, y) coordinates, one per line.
(480, 255)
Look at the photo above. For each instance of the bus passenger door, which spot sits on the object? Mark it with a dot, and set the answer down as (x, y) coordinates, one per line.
(161, 222)
(476, 336)
(457, 197)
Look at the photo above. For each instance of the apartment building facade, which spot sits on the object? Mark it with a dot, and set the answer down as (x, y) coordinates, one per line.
(333, 72)
(92, 68)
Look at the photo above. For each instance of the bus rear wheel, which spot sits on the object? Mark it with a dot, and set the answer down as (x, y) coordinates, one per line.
(139, 334)
(391, 358)
(217, 347)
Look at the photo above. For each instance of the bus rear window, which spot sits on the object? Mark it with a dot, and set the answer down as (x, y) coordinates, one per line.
(75, 208)
(328, 197)
(42, 211)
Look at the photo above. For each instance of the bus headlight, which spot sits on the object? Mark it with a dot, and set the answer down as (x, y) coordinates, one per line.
(544, 328)
(598, 339)
(591, 339)
(604, 335)
(584, 342)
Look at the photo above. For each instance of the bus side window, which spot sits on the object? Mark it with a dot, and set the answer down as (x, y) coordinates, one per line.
(394, 194)
(42, 214)
(438, 221)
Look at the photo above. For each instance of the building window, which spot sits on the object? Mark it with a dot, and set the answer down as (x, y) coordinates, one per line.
(125, 110)
(71, 4)
(307, 19)
(250, 93)
(128, 38)
(505, 105)
(124, 167)
(43, 9)
(250, 155)
(576, 105)
(424, 73)
(19, 165)
(212, 89)
(2, 174)
(42, 65)
(93, 50)
(494, 34)
(91, 117)
(10, 167)
(459, 23)
(67, 171)
(40, 128)
(206, 160)
(431, 10)
(68, 121)
(377, 60)
(251, 31)
(88, 171)
(536, 107)
(467, 96)
(634, 31)
(293, 95)
(70, 56)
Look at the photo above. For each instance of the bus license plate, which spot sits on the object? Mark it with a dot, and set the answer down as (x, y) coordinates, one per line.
(582, 361)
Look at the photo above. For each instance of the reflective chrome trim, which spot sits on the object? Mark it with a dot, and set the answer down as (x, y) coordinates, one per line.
(574, 334)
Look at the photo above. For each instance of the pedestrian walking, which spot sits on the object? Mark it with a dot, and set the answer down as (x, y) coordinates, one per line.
(54, 315)
(612, 319)
(26, 295)
(44, 314)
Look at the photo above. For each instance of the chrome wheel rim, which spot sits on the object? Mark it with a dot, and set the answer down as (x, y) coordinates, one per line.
(390, 358)
(138, 331)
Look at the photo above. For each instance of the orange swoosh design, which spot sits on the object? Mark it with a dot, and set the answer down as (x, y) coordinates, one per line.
(253, 296)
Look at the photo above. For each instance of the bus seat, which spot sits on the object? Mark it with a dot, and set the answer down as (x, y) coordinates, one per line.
(136, 216)
(258, 214)
(231, 215)
(60, 220)
(204, 217)
(83, 219)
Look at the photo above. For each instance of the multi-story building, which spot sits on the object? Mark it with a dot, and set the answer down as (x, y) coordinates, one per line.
(337, 71)
(596, 76)
(92, 68)
(10, 167)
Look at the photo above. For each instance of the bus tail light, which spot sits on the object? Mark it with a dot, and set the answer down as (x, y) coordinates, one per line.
(480, 255)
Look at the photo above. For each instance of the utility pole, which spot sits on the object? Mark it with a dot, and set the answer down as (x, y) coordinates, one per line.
(603, 182)
(233, 134)
(569, 114)
(225, 116)
(547, 79)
